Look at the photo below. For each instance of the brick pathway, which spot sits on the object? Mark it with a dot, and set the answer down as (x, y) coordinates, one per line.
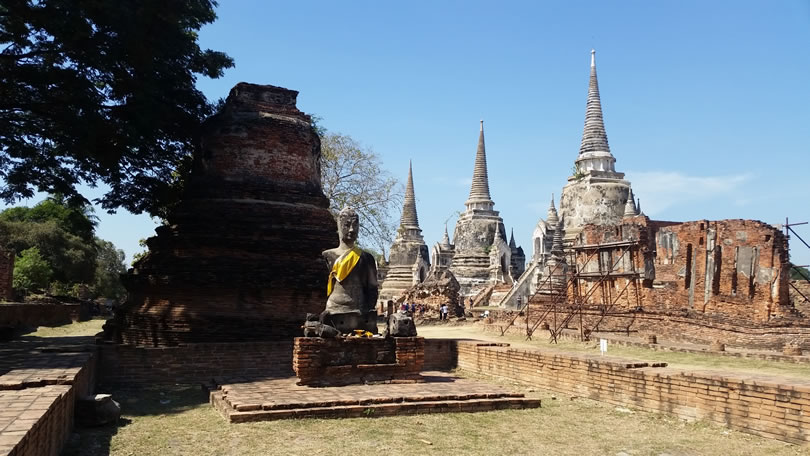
(245, 400)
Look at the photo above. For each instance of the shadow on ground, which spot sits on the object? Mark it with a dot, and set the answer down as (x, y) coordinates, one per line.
(135, 402)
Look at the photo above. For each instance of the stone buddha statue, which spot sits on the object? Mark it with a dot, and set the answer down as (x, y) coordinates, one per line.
(352, 287)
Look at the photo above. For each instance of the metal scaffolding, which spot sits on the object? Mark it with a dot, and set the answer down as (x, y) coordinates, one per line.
(566, 301)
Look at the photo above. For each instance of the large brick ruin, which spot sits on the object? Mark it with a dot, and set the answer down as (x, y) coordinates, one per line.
(240, 257)
(439, 288)
(700, 281)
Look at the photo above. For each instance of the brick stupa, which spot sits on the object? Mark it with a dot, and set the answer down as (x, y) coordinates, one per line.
(240, 259)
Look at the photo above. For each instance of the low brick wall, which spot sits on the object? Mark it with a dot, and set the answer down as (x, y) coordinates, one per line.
(346, 361)
(441, 354)
(38, 420)
(763, 407)
(18, 314)
(194, 363)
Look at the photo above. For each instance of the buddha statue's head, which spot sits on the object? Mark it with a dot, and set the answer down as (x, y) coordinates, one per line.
(348, 225)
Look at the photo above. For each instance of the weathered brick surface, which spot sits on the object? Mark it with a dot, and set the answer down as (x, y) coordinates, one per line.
(700, 281)
(768, 406)
(727, 269)
(199, 363)
(440, 354)
(49, 313)
(193, 363)
(240, 259)
(437, 290)
(38, 392)
(29, 314)
(264, 400)
(6, 275)
(346, 361)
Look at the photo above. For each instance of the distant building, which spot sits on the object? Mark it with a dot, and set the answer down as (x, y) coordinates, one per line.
(408, 261)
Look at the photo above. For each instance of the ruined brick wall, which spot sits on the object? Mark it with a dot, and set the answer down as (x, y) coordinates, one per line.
(727, 270)
(777, 411)
(20, 315)
(432, 293)
(6, 275)
(240, 259)
(193, 363)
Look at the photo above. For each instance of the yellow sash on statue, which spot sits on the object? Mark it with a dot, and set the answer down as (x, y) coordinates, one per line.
(343, 266)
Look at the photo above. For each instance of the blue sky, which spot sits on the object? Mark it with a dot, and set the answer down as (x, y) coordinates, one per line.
(706, 104)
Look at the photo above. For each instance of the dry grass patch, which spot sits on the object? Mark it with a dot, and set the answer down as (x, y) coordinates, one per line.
(674, 359)
(77, 328)
(178, 421)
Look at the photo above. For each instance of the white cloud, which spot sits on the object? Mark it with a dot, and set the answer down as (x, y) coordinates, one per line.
(660, 190)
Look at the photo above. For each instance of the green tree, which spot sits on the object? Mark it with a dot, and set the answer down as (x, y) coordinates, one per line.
(109, 267)
(31, 271)
(79, 221)
(352, 175)
(64, 236)
(101, 92)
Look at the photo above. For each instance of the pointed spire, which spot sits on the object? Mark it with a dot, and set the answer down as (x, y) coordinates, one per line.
(638, 207)
(409, 218)
(512, 244)
(630, 207)
(446, 238)
(594, 138)
(479, 191)
(551, 217)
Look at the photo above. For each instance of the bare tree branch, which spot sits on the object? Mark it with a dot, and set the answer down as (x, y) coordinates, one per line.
(352, 176)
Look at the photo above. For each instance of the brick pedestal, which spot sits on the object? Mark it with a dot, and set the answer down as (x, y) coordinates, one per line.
(346, 361)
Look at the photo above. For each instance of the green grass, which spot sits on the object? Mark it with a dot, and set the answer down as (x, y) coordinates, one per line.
(177, 420)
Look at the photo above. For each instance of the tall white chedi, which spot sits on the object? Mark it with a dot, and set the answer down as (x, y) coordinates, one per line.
(596, 193)
(478, 250)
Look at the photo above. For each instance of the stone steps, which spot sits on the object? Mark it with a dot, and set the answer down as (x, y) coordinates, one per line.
(408, 406)
(242, 400)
